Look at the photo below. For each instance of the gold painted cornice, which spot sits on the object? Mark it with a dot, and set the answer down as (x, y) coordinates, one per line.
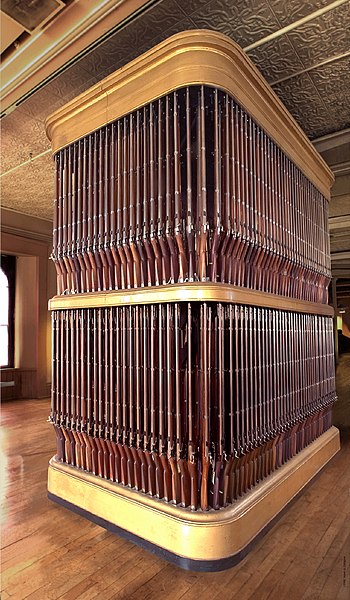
(187, 292)
(189, 58)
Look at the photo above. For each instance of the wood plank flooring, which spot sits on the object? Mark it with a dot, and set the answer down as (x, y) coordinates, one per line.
(49, 553)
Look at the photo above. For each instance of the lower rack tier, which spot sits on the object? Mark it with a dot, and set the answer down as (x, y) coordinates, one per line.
(192, 482)
(202, 541)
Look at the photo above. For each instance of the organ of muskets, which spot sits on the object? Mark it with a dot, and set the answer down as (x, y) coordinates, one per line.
(193, 371)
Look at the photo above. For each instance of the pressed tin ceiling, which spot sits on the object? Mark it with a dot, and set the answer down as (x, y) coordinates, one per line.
(301, 47)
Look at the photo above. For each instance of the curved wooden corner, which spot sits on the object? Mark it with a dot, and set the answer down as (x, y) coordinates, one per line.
(208, 536)
(189, 58)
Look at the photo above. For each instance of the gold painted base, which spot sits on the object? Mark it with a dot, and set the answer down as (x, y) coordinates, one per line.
(199, 540)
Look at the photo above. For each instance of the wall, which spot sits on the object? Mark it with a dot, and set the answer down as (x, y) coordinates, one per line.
(29, 239)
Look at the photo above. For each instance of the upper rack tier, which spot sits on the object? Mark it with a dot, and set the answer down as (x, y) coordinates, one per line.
(185, 167)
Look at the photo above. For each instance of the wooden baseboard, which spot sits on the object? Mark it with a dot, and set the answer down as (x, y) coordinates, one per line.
(211, 540)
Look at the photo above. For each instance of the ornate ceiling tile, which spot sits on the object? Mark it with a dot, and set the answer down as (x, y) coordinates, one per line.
(300, 97)
(293, 10)
(36, 197)
(324, 37)
(132, 38)
(316, 116)
(22, 138)
(276, 59)
(191, 6)
(333, 79)
(245, 21)
(72, 79)
(39, 104)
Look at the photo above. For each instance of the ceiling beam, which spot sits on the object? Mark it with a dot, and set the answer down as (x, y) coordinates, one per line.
(295, 24)
(335, 256)
(342, 222)
(61, 42)
(332, 140)
(341, 273)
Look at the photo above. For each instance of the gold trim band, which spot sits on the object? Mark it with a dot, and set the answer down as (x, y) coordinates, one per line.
(187, 292)
(189, 58)
(211, 535)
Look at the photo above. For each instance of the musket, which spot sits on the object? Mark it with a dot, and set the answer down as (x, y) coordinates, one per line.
(153, 197)
(165, 252)
(57, 225)
(72, 251)
(117, 392)
(205, 334)
(113, 191)
(190, 220)
(202, 226)
(96, 211)
(81, 217)
(90, 213)
(169, 192)
(123, 411)
(262, 210)
(220, 454)
(228, 184)
(231, 251)
(111, 398)
(108, 193)
(86, 358)
(152, 385)
(72, 361)
(245, 227)
(54, 412)
(181, 407)
(217, 225)
(161, 457)
(229, 392)
(67, 199)
(267, 212)
(100, 219)
(135, 199)
(141, 262)
(68, 388)
(65, 210)
(249, 151)
(163, 472)
(95, 413)
(241, 248)
(129, 395)
(147, 376)
(257, 216)
(86, 223)
(146, 202)
(182, 266)
(119, 220)
(172, 403)
(138, 395)
(191, 461)
(81, 342)
(127, 188)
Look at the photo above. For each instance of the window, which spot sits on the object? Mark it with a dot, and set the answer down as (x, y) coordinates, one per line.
(4, 319)
(7, 306)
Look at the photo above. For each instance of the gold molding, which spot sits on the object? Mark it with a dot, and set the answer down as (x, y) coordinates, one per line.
(212, 535)
(189, 58)
(187, 292)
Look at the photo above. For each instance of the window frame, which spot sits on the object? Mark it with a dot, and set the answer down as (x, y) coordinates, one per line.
(8, 266)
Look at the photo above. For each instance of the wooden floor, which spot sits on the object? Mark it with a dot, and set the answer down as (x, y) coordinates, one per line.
(48, 552)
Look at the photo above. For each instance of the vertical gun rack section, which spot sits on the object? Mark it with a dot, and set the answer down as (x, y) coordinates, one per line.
(193, 370)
